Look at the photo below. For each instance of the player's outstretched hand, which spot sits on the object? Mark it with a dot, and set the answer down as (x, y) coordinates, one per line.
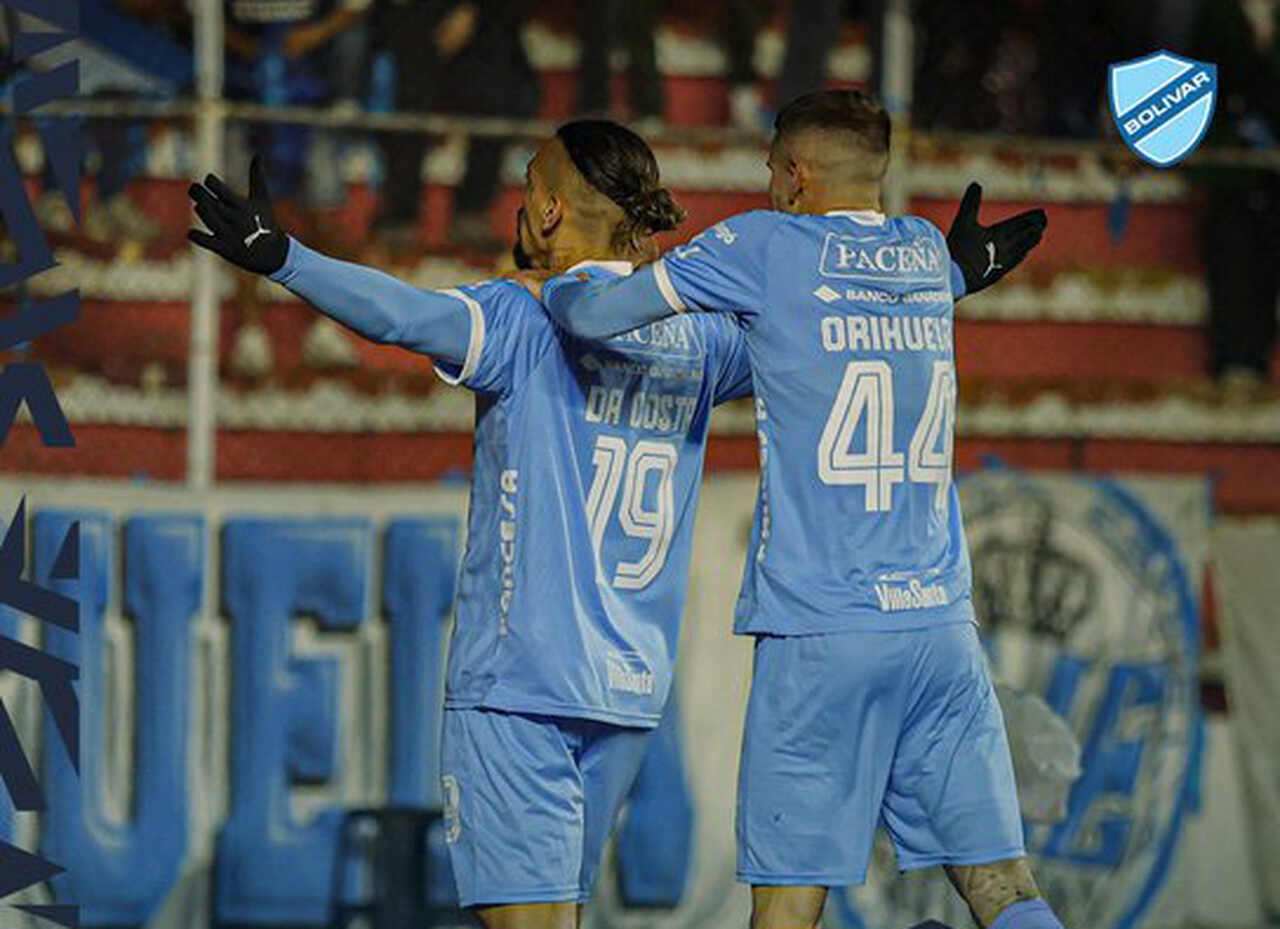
(987, 253)
(242, 230)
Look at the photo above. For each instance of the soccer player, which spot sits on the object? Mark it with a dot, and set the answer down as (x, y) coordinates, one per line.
(871, 700)
(588, 460)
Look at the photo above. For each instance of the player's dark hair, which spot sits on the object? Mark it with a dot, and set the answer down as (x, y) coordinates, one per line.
(853, 111)
(620, 165)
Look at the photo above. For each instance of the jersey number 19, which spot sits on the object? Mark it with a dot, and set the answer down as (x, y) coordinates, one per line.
(617, 467)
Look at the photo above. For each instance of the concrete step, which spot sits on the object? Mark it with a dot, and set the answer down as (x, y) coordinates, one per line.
(1243, 473)
(118, 339)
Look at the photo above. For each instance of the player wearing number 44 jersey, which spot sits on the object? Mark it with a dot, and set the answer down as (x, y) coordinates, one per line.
(870, 699)
(588, 461)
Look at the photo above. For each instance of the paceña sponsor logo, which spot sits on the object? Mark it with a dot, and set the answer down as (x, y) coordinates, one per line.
(507, 545)
(667, 338)
(914, 262)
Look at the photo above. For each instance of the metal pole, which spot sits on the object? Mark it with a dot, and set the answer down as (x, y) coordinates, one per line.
(897, 75)
(202, 371)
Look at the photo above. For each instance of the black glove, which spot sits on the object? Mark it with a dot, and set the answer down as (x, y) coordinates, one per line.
(245, 232)
(987, 253)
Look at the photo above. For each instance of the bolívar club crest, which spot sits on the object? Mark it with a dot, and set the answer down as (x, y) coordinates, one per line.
(1162, 104)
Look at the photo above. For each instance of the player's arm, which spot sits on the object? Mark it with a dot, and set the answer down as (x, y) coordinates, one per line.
(722, 269)
(377, 306)
(598, 308)
(732, 361)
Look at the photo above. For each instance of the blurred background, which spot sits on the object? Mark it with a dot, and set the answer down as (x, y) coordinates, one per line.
(1118, 433)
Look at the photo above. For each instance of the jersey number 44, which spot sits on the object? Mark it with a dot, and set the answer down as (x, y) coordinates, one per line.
(866, 394)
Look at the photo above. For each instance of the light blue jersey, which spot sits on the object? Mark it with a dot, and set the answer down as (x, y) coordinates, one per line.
(588, 463)
(869, 687)
(849, 327)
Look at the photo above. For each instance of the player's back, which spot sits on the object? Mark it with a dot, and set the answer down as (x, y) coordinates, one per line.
(849, 327)
(587, 470)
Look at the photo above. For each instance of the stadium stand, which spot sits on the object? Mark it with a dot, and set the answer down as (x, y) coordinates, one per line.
(1091, 359)
(1093, 356)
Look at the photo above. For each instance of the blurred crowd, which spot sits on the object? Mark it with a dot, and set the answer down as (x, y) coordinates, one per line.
(1035, 67)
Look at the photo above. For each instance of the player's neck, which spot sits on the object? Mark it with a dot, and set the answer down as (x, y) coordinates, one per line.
(851, 200)
(567, 255)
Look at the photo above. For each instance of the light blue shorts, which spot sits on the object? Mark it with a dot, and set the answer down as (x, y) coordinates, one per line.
(850, 730)
(530, 801)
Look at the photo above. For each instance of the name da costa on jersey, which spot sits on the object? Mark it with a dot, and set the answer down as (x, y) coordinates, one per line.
(664, 354)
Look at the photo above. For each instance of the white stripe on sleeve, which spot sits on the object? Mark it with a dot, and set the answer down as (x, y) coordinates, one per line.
(665, 287)
(475, 345)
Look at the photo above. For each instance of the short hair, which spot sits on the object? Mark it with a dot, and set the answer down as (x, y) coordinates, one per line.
(853, 111)
(619, 164)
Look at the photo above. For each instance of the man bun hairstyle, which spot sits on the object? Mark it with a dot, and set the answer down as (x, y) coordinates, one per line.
(621, 166)
(855, 112)
(655, 210)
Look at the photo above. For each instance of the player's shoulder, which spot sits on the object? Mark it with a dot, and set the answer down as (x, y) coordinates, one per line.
(762, 218)
(753, 226)
(918, 225)
(597, 269)
(506, 299)
(499, 291)
(762, 222)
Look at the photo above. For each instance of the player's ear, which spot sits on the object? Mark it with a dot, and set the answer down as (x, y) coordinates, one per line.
(551, 214)
(797, 181)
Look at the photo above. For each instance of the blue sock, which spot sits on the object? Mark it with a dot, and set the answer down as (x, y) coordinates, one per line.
(1027, 914)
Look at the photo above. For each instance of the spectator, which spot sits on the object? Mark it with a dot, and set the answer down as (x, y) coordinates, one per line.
(127, 52)
(813, 26)
(291, 53)
(740, 22)
(1027, 66)
(460, 57)
(294, 53)
(171, 18)
(956, 45)
(1242, 204)
(1077, 41)
(112, 217)
(601, 24)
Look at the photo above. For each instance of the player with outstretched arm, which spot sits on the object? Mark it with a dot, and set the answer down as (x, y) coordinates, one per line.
(870, 699)
(588, 463)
